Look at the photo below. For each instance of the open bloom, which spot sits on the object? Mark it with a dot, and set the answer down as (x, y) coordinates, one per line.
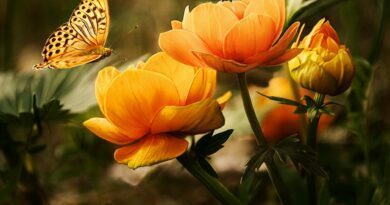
(148, 110)
(324, 65)
(231, 36)
(279, 121)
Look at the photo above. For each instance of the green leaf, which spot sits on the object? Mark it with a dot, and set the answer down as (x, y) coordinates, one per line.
(53, 111)
(300, 155)
(325, 109)
(250, 187)
(310, 102)
(312, 9)
(261, 155)
(282, 100)
(207, 167)
(210, 144)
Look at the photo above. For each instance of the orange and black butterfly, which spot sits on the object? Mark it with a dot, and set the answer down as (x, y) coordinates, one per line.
(81, 40)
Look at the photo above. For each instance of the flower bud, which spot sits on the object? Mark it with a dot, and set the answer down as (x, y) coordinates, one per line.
(324, 65)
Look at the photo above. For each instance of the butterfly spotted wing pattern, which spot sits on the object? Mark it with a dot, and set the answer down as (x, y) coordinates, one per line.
(80, 40)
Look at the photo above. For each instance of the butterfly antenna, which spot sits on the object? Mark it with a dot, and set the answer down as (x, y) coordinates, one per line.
(122, 37)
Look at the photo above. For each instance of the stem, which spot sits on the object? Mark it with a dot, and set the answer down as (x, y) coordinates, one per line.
(276, 178)
(216, 188)
(250, 112)
(312, 142)
(313, 121)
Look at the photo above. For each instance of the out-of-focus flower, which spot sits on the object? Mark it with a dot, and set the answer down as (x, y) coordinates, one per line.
(231, 36)
(149, 110)
(324, 66)
(279, 121)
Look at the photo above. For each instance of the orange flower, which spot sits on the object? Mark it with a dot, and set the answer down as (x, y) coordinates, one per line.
(279, 121)
(231, 36)
(148, 110)
(324, 65)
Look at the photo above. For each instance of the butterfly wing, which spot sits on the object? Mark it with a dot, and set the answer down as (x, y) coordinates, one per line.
(78, 41)
(91, 20)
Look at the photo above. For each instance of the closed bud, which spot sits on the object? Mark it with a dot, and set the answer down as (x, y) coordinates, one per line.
(324, 65)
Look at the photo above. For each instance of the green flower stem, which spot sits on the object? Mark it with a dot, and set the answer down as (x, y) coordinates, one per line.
(312, 142)
(211, 183)
(273, 171)
(313, 121)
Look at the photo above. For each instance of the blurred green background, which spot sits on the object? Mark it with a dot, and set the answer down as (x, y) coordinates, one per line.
(47, 157)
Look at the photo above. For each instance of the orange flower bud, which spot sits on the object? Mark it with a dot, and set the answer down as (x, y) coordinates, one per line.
(231, 36)
(324, 65)
(150, 109)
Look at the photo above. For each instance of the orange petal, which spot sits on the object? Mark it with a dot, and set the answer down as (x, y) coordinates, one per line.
(105, 130)
(150, 150)
(268, 8)
(253, 34)
(203, 85)
(288, 55)
(196, 118)
(179, 44)
(176, 24)
(329, 31)
(282, 14)
(237, 7)
(135, 97)
(277, 50)
(211, 23)
(182, 75)
(219, 64)
(332, 45)
(187, 20)
(103, 80)
(224, 99)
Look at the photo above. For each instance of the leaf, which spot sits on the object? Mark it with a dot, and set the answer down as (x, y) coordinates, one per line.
(207, 167)
(310, 102)
(282, 100)
(325, 109)
(210, 144)
(300, 155)
(312, 9)
(261, 155)
(250, 187)
(53, 111)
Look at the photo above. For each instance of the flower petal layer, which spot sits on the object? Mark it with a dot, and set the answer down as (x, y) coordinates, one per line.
(288, 55)
(151, 150)
(211, 23)
(272, 8)
(182, 75)
(184, 43)
(277, 50)
(105, 130)
(222, 100)
(103, 80)
(135, 97)
(237, 7)
(229, 66)
(248, 37)
(196, 118)
(203, 85)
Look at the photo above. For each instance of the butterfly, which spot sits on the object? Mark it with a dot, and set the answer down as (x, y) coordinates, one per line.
(81, 40)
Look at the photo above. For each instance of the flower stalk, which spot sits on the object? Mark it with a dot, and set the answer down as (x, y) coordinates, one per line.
(216, 188)
(273, 171)
(314, 119)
